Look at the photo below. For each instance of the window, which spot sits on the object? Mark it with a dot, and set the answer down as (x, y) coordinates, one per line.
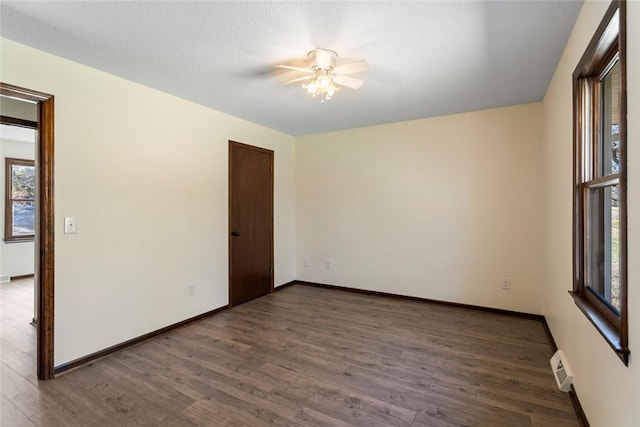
(599, 208)
(20, 200)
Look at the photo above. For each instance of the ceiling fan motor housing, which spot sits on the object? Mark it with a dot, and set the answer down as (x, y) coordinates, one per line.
(322, 59)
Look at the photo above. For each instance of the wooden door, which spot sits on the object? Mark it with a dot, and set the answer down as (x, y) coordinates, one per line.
(250, 222)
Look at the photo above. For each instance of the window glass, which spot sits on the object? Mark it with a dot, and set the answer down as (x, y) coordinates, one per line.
(20, 199)
(24, 218)
(603, 241)
(610, 155)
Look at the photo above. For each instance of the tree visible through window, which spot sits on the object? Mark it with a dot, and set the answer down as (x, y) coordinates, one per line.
(20, 200)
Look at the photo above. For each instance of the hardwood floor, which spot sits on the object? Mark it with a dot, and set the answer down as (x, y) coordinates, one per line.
(18, 336)
(313, 357)
(17, 343)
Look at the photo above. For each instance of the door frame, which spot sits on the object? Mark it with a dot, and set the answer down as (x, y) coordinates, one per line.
(271, 156)
(44, 236)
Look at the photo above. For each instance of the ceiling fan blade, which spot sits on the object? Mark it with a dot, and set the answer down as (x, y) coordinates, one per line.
(291, 67)
(324, 58)
(353, 67)
(350, 82)
(299, 79)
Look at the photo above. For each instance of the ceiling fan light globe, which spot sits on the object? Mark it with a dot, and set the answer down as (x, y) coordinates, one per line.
(312, 87)
(324, 82)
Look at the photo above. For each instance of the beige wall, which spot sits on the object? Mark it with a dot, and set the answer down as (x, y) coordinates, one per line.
(608, 390)
(16, 259)
(146, 174)
(438, 208)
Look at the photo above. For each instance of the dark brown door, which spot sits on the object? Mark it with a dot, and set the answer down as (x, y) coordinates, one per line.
(250, 222)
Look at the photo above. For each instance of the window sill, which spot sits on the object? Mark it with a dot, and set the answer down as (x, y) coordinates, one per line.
(606, 329)
(19, 240)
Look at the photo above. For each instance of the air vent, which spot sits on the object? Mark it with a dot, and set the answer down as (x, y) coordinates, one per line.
(561, 371)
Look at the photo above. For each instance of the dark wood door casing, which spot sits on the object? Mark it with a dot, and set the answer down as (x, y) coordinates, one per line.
(250, 222)
(44, 282)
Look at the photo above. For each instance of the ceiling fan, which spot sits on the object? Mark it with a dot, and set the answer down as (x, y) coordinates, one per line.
(323, 76)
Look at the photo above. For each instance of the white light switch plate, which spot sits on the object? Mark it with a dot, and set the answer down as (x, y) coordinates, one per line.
(70, 225)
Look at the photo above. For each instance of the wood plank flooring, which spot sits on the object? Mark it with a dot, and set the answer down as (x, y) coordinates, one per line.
(307, 356)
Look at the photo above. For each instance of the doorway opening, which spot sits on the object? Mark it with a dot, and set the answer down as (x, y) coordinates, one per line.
(44, 221)
(18, 126)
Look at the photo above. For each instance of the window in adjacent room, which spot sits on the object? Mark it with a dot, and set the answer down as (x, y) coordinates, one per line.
(600, 170)
(20, 200)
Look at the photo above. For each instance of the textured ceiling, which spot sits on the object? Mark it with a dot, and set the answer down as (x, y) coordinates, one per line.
(426, 58)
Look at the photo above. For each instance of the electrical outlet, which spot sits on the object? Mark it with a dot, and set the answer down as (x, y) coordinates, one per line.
(328, 264)
(506, 283)
(306, 262)
(191, 289)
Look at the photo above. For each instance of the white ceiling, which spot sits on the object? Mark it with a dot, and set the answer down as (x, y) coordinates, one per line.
(16, 133)
(427, 58)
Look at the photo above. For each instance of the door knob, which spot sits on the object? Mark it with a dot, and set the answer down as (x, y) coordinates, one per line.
(235, 233)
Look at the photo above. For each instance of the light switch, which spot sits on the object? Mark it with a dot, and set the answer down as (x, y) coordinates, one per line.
(70, 225)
